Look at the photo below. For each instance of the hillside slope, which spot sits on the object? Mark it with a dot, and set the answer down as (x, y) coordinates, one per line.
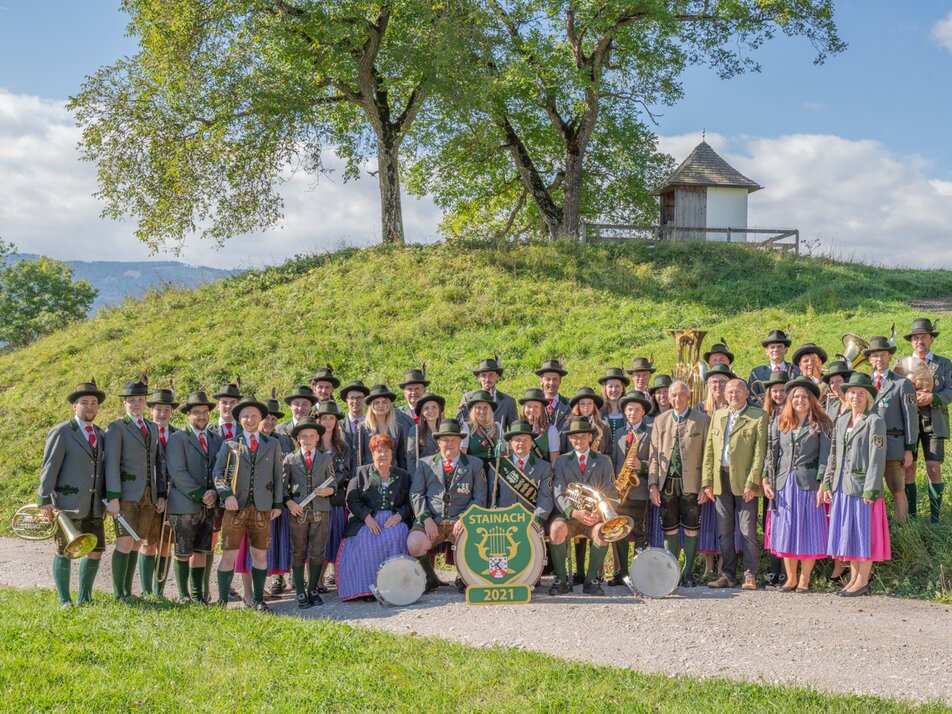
(375, 312)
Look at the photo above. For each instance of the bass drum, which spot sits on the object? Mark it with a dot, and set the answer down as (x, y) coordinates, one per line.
(530, 576)
(655, 572)
(400, 581)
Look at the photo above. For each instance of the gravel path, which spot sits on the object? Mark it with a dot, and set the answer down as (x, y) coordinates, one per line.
(870, 645)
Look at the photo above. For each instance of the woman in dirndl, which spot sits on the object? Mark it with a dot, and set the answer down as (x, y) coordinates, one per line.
(853, 486)
(332, 442)
(775, 396)
(533, 408)
(378, 498)
(420, 442)
(798, 451)
(614, 383)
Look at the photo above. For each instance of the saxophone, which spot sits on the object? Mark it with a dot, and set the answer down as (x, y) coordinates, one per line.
(627, 477)
(599, 432)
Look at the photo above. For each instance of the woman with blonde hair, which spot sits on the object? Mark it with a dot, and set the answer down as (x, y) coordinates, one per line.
(614, 383)
(482, 431)
(382, 419)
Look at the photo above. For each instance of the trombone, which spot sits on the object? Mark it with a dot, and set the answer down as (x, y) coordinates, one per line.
(164, 562)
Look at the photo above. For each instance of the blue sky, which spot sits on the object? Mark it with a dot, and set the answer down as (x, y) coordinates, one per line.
(877, 115)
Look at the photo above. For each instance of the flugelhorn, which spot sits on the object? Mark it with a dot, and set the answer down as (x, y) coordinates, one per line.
(613, 527)
(31, 523)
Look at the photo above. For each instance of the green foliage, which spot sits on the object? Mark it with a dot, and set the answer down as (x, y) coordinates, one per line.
(38, 297)
(374, 313)
(118, 658)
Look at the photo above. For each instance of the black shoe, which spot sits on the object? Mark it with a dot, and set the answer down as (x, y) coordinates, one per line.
(278, 585)
(321, 590)
(304, 602)
(617, 580)
(578, 579)
(259, 606)
(559, 587)
(316, 597)
(432, 585)
(856, 593)
(687, 581)
(460, 585)
(592, 587)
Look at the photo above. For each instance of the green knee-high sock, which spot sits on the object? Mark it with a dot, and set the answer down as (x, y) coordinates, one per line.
(119, 563)
(224, 583)
(147, 573)
(181, 577)
(671, 544)
(912, 497)
(558, 553)
(621, 567)
(313, 575)
(596, 556)
(935, 501)
(196, 577)
(690, 551)
(207, 575)
(258, 576)
(161, 565)
(431, 577)
(88, 567)
(297, 575)
(61, 570)
(130, 573)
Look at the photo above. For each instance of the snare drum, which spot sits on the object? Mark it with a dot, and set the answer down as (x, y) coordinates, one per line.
(655, 572)
(400, 581)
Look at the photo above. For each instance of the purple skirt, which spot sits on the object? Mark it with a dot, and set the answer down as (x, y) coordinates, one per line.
(798, 528)
(359, 557)
(858, 531)
(653, 526)
(335, 531)
(279, 552)
(708, 541)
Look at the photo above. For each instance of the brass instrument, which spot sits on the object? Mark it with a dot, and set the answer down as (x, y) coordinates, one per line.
(627, 477)
(232, 462)
(853, 349)
(599, 432)
(164, 562)
(690, 369)
(121, 520)
(917, 372)
(585, 498)
(30, 523)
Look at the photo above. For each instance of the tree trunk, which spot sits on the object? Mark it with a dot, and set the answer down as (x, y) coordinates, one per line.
(388, 178)
(571, 196)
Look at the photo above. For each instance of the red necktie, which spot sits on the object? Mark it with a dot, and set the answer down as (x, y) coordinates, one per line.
(308, 460)
(630, 437)
(145, 432)
(254, 444)
(551, 406)
(416, 418)
(201, 440)
(922, 358)
(776, 368)
(228, 430)
(879, 380)
(162, 435)
(522, 464)
(581, 463)
(91, 436)
(447, 466)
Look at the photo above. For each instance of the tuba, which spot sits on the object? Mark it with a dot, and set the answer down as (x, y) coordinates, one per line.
(917, 372)
(586, 498)
(853, 346)
(30, 523)
(690, 368)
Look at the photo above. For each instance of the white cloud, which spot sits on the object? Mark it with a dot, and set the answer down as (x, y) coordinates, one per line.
(858, 198)
(813, 106)
(46, 202)
(942, 32)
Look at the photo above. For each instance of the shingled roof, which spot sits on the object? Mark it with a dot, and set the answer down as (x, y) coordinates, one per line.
(705, 168)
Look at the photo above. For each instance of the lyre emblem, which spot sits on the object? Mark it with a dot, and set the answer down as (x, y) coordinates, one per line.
(497, 548)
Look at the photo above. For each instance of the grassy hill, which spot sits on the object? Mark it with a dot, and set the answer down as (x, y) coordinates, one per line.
(373, 313)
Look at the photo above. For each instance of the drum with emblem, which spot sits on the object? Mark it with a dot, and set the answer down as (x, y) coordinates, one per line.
(499, 545)
(400, 581)
(655, 572)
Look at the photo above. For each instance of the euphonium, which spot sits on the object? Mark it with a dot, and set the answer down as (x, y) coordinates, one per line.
(613, 527)
(30, 523)
(689, 367)
(627, 477)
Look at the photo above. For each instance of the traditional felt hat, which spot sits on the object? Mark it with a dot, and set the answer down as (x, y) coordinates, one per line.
(775, 336)
(615, 373)
(415, 376)
(719, 348)
(196, 399)
(637, 397)
(804, 382)
(552, 365)
(641, 364)
(808, 348)
(306, 423)
(923, 326)
(249, 401)
(879, 344)
(428, 397)
(355, 386)
(301, 391)
(580, 425)
(86, 389)
(659, 381)
(534, 395)
(781, 376)
(329, 407)
(325, 374)
(448, 427)
(162, 396)
(587, 393)
(274, 407)
(380, 390)
(721, 369)
(135, 389)
(491, 364)
(860, 380)
(228, 390)
(520, 427)
(480, 395)
(839, 368)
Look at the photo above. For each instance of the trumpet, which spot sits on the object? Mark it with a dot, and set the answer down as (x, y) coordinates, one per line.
(586, 498)
(31, 523)
(627, 478)
(165, 544)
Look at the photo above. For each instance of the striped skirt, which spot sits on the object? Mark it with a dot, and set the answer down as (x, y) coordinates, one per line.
(335, 531)
(858, 531)
(798, 528)
(653, 526)
(279, 552)
(709, 539)
(359, 557)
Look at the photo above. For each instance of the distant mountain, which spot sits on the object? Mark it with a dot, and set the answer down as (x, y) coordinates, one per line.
(117, 280)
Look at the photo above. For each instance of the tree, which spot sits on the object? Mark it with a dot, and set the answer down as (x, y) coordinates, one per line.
(38, 297)
(556, 86)
(198, 129)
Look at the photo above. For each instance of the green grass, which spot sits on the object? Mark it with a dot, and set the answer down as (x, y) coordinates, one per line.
(159, 657)
(373, 313)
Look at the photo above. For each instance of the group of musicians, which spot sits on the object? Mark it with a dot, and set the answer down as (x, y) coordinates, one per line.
(329, 494)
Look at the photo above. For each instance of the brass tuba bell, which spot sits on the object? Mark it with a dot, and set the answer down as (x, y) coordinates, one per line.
(853, 349)
(689, 367)
(30, 523)
(613, 527)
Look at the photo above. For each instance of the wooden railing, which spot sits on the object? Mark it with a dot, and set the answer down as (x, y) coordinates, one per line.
(780, 239)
